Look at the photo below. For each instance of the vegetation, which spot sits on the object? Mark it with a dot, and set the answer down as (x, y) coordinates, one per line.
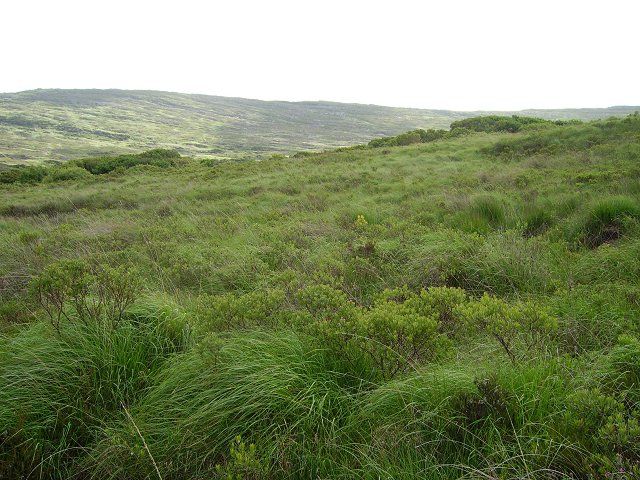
(52, 125)
(462, 306)
(79, 169)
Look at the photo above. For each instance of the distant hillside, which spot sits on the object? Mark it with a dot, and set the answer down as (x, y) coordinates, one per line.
(41, 125)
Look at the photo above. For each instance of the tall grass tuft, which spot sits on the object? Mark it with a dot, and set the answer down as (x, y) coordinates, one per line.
(59, 389)
(273, 389)
(607, 220)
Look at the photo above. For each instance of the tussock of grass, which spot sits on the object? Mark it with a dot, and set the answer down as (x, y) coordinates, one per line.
(607, 220)
(59, 390)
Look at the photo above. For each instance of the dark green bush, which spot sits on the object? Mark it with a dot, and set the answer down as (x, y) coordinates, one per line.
(66, 173)
(158, 157)
(417, 136)
(399, 331)
(31, 174)
(497, 123)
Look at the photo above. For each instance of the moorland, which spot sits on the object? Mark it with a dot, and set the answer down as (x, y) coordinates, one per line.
(459, 303)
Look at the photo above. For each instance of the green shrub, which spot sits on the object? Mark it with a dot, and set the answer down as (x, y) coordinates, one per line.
(323, 303)
(415, 136)
(441, 303)
(497, 123)
(303, 154)
(66, 173)
(566, 137)
(409, 138)
(72, 289)
(604, 427)
(383, 142)
(250, 310)
(30, 174)
(242, 462)
(158, 157)
(510, 323)
(394, 335)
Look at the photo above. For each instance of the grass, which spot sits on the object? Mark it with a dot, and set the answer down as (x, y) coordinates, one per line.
(608, 220)
(258, 345)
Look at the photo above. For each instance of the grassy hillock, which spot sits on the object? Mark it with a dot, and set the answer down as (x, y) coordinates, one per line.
(53, 125)
(463, 306)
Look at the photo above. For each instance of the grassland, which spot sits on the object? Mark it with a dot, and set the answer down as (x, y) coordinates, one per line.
(467, 307)
(53, 125)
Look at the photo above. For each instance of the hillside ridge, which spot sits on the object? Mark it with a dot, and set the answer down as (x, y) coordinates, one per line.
(62, 124)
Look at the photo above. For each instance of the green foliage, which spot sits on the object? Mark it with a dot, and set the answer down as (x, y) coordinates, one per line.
(66, 173)
(251, 310)
(537, 220)
(157, 157)
(602, 424)
(243, 463)
(398, 332)
(498, 123)
(80, 169)
(487, 210)
(57, 391)
(509, 323)
(417, 136)
(565, 138)
(325, 304)
(71, 289)
(441, 303)
(32, 174)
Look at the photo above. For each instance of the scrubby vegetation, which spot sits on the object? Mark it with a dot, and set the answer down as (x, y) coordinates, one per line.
(82, 168)
(452, 305)
(53, 125)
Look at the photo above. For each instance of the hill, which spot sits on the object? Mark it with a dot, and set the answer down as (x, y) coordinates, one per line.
(465, 306)
(43, 125)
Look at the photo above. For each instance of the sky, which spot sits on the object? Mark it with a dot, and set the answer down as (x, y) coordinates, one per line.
(461, 55)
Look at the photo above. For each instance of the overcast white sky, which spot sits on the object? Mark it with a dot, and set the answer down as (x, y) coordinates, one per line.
(483, 54)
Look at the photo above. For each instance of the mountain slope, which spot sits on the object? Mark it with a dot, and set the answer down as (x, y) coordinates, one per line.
(43, 125)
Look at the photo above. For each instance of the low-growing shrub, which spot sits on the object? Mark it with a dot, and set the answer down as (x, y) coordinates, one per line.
(255, 309)
(510, 323)
(497, 123)
(399, 331)
(322, 303)
(158, 157)
(66, 173)
(29, 174)
(73, 290)
(242, 463)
